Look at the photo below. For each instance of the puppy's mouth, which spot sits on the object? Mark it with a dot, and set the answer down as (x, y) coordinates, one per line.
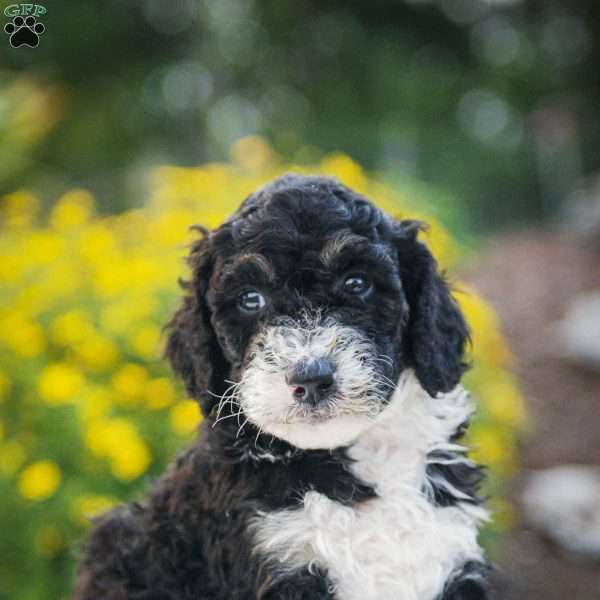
(317, 375)
(310, 416)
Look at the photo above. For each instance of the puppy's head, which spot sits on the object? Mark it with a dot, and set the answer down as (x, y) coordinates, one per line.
(306, 306)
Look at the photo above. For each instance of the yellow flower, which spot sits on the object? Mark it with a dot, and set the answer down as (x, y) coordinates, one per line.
(18, 209)
(95, 403)
(109, 283)
(488, 343)
(504, 403)
(70, 327)
(492, 446)
(97, 352)
(171, 229)
(132, 462)
(99, 245)
(28, 341)
(39, 480)
(72, 210)
(345, 169)
(43, 247)
(59, 383)
(160, 393)
(87, 507)
(119, 440)
(252, 153)
(63, 279)
(129, 382)
(146, 341)
(184, 417)
(118, 317)
(12, 268)
(23, 336)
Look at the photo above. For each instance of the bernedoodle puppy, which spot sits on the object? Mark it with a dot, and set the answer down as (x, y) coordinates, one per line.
(325, 350)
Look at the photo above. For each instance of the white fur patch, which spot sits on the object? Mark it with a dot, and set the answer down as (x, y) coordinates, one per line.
(267, 401)
(398, 546)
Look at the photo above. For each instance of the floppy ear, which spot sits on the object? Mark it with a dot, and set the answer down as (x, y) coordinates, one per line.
(192, 347)
(436, 332)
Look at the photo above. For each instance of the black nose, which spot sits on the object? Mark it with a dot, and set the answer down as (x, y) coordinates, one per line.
(312, 379)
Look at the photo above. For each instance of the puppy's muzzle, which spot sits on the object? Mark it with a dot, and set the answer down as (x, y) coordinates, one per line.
(312, 380)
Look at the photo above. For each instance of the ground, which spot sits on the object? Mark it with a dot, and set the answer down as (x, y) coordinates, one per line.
(530, 278)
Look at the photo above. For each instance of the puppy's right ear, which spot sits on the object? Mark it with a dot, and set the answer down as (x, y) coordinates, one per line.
(436, 332)
(192, 347)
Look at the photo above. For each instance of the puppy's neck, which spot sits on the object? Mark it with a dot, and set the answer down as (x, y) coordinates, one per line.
(413, 424)
(412, 433)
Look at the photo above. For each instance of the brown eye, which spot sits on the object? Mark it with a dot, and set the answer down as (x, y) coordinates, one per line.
(251, 301)
(357, 285)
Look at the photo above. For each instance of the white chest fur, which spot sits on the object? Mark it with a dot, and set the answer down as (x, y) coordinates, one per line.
(398, 546)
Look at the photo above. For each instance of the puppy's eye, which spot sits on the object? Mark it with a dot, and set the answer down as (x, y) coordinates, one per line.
(251, 301)
(357, 285)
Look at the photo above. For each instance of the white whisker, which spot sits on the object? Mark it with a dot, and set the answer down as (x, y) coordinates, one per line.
(362, 388)
(241, 428)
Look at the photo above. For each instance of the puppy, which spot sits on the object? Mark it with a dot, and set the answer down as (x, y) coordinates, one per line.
(325, 351)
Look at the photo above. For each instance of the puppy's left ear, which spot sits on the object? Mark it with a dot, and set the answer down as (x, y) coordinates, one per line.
(436, 334)
(192, 347)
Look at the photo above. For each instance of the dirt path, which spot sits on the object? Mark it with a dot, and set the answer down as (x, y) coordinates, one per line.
(530, 278)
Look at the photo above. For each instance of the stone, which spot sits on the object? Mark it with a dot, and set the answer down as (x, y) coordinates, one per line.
(564, 503)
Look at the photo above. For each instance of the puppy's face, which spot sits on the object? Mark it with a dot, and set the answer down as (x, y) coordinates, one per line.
(303, 301)
(310, 324)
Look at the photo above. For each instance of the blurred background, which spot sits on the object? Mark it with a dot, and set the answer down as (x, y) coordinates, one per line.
(133, 119)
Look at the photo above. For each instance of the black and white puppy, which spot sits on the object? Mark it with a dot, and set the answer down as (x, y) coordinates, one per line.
(325, 349)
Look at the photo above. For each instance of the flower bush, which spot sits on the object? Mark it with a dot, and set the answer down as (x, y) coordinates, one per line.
(89, 412)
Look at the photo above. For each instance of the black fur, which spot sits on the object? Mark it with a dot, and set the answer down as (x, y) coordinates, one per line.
(190, 539)
(464, 477)
(437, 331)
(453, 467)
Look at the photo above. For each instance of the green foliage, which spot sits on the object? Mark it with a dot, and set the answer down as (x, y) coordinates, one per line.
(492, 101)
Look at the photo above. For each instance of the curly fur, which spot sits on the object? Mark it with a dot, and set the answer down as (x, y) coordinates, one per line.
(430, 541)
(367, 494)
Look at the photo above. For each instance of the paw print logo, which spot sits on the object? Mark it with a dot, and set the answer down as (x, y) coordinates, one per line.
(24, 32)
